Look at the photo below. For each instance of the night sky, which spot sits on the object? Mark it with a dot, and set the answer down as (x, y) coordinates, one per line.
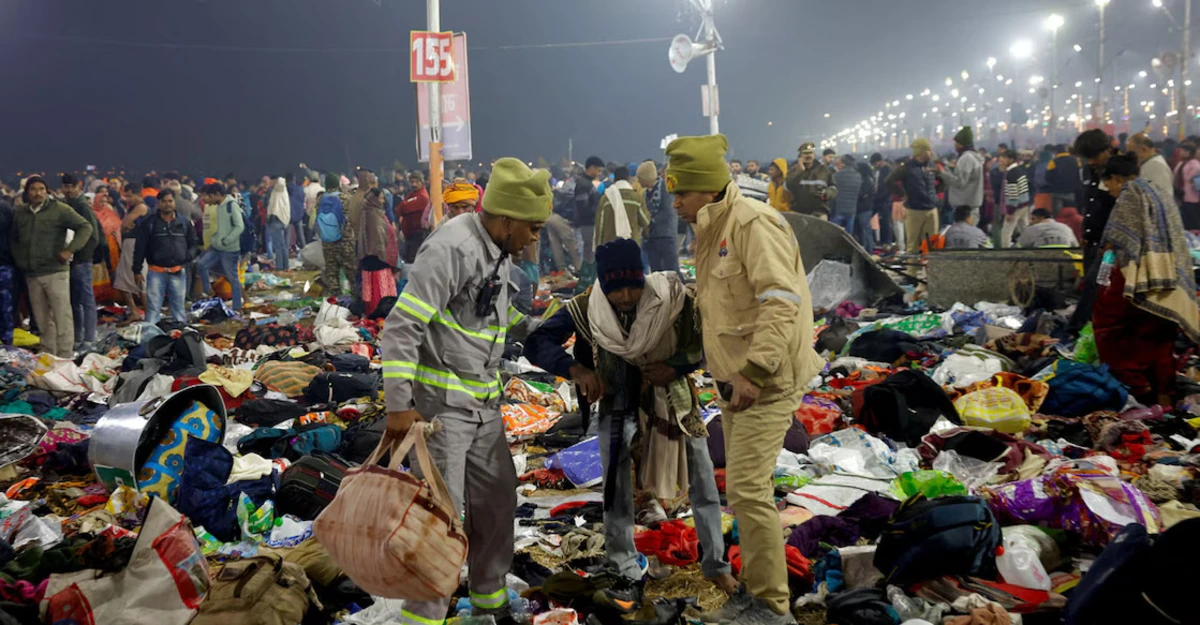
(257, 86)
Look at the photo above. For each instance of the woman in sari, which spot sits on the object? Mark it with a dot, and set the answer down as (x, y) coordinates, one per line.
(108, 254)
(1151, 294)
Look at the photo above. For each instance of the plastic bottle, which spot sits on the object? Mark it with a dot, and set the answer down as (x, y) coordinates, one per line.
(1018, 563)
(1104, 277)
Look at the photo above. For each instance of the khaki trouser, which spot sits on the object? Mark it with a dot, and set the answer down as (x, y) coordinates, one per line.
(753, 438)
(918, 225)
(50, 298)
(1014, 225)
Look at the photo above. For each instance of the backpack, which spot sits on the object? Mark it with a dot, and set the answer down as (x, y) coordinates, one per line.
(1078, 389)
(341, 386)
(928, 538)
(564, 199)
(330, 219)
(308, 486)
(862, 606)
(903, 407)
(1135, 579)
(248, 244)
(253, 591)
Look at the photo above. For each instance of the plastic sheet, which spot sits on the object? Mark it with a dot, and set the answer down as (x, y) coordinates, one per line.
(829, 284)
(855, 452)
(971, 472)
(962, 371)
(580, 463)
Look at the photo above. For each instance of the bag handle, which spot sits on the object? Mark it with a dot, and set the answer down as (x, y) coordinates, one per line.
(415, 441)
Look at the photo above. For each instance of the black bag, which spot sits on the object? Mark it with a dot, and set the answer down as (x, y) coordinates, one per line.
(183, 355)
(928, 538)
(342, 386)
(350, 363)
(903, 407)
(361, 438)
(864, 606)
(268, 412)
(1136, 579)
(308, 486)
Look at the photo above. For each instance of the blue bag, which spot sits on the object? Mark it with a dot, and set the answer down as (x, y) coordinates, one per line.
(1078, 389)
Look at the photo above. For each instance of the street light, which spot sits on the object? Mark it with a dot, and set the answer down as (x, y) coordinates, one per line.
(1022, 49)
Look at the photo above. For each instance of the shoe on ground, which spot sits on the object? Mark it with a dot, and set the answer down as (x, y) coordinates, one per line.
(734, 606)
(624, 596)
(759, 613)
(651, 513)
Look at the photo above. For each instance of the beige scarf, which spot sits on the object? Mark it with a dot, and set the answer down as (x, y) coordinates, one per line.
(663, 468)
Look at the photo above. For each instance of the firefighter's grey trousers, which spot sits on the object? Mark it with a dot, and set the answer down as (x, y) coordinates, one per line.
(472, 454)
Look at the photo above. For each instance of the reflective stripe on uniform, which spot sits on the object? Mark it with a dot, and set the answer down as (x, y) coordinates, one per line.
(493, 333)
(410, 304)
(781, 294)
(490, 601)
(408, 618)
(445, 380)
(514, 317)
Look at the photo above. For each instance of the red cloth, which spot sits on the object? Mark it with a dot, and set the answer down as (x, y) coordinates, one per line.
(798, 566)
(377, 285)
(674, 543)
(412, 211)
(1070, 216)
(1137, 346)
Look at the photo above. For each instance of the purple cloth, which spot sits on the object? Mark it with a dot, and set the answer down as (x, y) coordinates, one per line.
(835, 531)
(870, 514)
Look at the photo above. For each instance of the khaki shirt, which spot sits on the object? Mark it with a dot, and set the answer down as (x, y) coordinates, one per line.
(753, 296)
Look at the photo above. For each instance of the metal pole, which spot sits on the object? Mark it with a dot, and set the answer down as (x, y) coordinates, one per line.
(713, 126)
(1183, 69)
(1054, 89)
(435, 122)
(1099, 70)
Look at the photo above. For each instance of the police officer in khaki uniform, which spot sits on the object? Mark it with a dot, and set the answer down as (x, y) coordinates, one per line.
(757, 324)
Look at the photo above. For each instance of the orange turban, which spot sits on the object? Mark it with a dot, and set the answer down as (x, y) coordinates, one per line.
(461, 191)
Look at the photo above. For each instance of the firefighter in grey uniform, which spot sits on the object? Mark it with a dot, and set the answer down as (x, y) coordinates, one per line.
(442, 345)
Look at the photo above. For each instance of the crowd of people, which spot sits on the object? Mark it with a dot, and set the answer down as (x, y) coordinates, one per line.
(619, 232)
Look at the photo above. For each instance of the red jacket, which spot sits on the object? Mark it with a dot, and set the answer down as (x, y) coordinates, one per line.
(412, 211)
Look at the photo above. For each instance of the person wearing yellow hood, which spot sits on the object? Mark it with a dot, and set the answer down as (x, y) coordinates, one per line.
(778, 195)
(757, 323)
(442, 345)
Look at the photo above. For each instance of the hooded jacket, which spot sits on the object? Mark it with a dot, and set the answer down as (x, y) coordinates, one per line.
(920, 192)
(966, 180)
(279, 205)
(778, 196)
(230, 224)
(849, 183)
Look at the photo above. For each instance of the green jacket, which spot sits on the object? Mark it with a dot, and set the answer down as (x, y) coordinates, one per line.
(635, 212)
(87, 253)
(38, 238)
(228, 237)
